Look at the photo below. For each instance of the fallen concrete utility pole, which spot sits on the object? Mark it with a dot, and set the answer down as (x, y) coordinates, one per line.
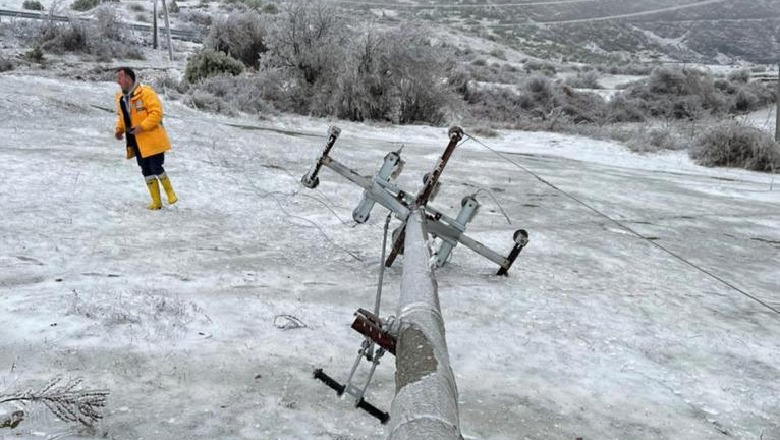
(426, 400)
(425, 406)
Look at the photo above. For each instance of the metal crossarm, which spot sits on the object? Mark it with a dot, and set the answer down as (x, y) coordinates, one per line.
(380, 189)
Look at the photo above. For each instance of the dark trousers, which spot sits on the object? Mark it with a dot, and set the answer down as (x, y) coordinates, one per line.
(152, 165)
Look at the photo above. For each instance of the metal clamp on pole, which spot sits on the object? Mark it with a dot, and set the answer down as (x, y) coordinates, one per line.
(311, 179)
(370, 326)
(376, 332)
(521, 239)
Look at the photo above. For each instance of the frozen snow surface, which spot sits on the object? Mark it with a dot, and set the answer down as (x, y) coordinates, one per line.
(596, 333)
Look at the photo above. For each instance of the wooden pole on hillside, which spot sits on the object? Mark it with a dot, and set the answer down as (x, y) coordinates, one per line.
(167, 29)
(777, 108)
(154, 26)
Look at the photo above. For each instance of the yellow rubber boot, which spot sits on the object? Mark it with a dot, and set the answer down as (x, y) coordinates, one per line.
(166, 184)
(154, 191)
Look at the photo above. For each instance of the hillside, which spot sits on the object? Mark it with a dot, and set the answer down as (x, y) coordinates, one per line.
(593, 31)
(706, 31)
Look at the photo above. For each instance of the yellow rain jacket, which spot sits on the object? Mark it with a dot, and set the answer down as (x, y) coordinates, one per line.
(145, 112)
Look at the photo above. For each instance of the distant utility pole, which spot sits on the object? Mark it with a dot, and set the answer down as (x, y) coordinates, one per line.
(777, 108)
(168, 30)
(154, 26)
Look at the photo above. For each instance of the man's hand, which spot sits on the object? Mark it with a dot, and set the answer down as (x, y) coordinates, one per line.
(134, 130)
(119, 135)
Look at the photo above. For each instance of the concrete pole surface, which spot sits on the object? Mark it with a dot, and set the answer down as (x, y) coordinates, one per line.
(426, 400)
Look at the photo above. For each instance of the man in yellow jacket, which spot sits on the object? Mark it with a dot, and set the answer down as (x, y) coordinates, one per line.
(140, 119)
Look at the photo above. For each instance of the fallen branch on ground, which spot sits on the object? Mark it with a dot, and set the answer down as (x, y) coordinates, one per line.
(63, 399)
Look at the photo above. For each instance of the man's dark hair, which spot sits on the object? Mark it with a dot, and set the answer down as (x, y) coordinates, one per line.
(128, 71)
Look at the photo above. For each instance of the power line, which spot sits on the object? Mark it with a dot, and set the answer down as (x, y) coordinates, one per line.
(265, 194)
(628, 229)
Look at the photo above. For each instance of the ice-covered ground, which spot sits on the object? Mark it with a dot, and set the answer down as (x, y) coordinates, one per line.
(595, 334)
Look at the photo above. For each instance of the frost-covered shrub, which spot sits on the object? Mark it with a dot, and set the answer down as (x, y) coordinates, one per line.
(310, 60)
(750, 96)
(646, 139)
(326, 67)
(582, 107)
(623, 109)
(307, 40)
(32, 5)
(84, 5)
(661, 139)
(5, 64)
(255, 5)
(203, 100)
(692, 94)
(228, 94)
(405, 74)
(540, 96)
(196, 17)
(681, 93)
(240, 35)
(584, 80)
(109, 24)
(627, 69)
(537, 99)
(167, 82)
(544, 67)
(104, 37)
(741, 75)
(35, 55)
(208, 62)
(498, 106)
(735, 145)
(504, 73)
(73, 36)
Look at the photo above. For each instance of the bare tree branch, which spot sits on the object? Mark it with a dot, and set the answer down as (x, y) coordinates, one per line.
(64, 399)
